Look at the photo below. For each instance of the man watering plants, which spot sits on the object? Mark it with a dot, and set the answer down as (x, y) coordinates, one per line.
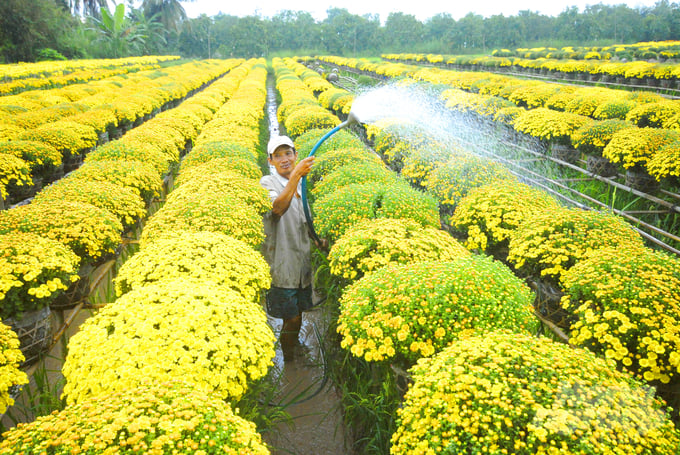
(287, 243)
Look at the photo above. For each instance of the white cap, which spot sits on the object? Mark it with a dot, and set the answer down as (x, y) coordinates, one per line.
(277, 141)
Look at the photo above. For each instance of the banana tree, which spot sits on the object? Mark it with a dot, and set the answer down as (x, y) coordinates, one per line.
(117, 33)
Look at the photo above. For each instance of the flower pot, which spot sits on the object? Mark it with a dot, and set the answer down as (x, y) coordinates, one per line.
(638, 178)
(601, 166)
(102, 137)
(18, 193)
(72, 162)
(34, 331)
(76, 291)
(565, 153)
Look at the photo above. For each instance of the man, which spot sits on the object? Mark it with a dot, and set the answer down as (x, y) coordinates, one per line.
(287, 243)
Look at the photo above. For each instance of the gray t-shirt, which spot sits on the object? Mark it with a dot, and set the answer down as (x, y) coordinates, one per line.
(287, 245)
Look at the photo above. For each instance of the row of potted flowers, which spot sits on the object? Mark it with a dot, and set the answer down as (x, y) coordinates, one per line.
(74, 223)
(191, 276)
(47, 133)
(45, 75)
(377, 325)
(644, 125)
(636, 72)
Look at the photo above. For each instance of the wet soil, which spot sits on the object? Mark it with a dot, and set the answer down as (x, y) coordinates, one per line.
(316, 425)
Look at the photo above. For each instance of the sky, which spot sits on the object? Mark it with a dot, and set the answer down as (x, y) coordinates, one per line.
(421, 9)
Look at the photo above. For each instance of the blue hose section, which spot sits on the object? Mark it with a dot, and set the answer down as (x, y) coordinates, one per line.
(305, 203)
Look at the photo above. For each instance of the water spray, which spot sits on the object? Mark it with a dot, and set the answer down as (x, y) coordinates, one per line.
(352, 119)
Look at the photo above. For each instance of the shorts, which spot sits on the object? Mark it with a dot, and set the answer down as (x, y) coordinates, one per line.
(287, 303)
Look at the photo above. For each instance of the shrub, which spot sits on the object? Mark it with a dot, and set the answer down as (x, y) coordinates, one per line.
(548, 244)
(452, 181)
(527, 395)
(372, 244)
(34, 271)
(131, 151)
(208, 211)
(636, 146)
(230, 183)
(190, 330)
(404, 312)
(139, 176)
(337, 211)
(306, 118)
(489, 214)
(88, 230)
(10, 361)
(151, 418)
(627, 302)
(123, 202)
(220, 258)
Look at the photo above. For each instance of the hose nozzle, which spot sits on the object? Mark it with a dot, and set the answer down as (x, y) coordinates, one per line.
(352, 119)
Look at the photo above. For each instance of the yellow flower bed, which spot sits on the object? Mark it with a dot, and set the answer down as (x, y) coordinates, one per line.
(514, 393)
(488, 215)
(628, 307)
(550, 243)
(217, 257)
(404, 312)
(33, 272)
(88, 230)
(207, 211)
(152, 419)
(373, 244)
(139, 176)
(185, 329)
(123, 202)
(10, 360)
(636, 146)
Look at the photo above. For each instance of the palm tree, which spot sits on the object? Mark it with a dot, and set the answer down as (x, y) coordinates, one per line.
(86, 7)
(170, 12)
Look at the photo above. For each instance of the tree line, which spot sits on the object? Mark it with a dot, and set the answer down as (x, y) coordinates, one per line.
(52, 29)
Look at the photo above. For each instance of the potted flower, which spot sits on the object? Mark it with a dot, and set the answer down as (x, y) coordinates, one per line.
(592, 138)
(91, 232)
(547, 244)
(139, 176)
(35, 271)
(451, 182)
(372, 244)
(13, 171)
(43, 159)
(525, 395)
(194, 330)
(633, 147)
(210, 210)
(170, 417)
(11, 359)
(489, 214)
(401, 313)
(627, 307)
(221, 258)
(554, 128)
(337, 211)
